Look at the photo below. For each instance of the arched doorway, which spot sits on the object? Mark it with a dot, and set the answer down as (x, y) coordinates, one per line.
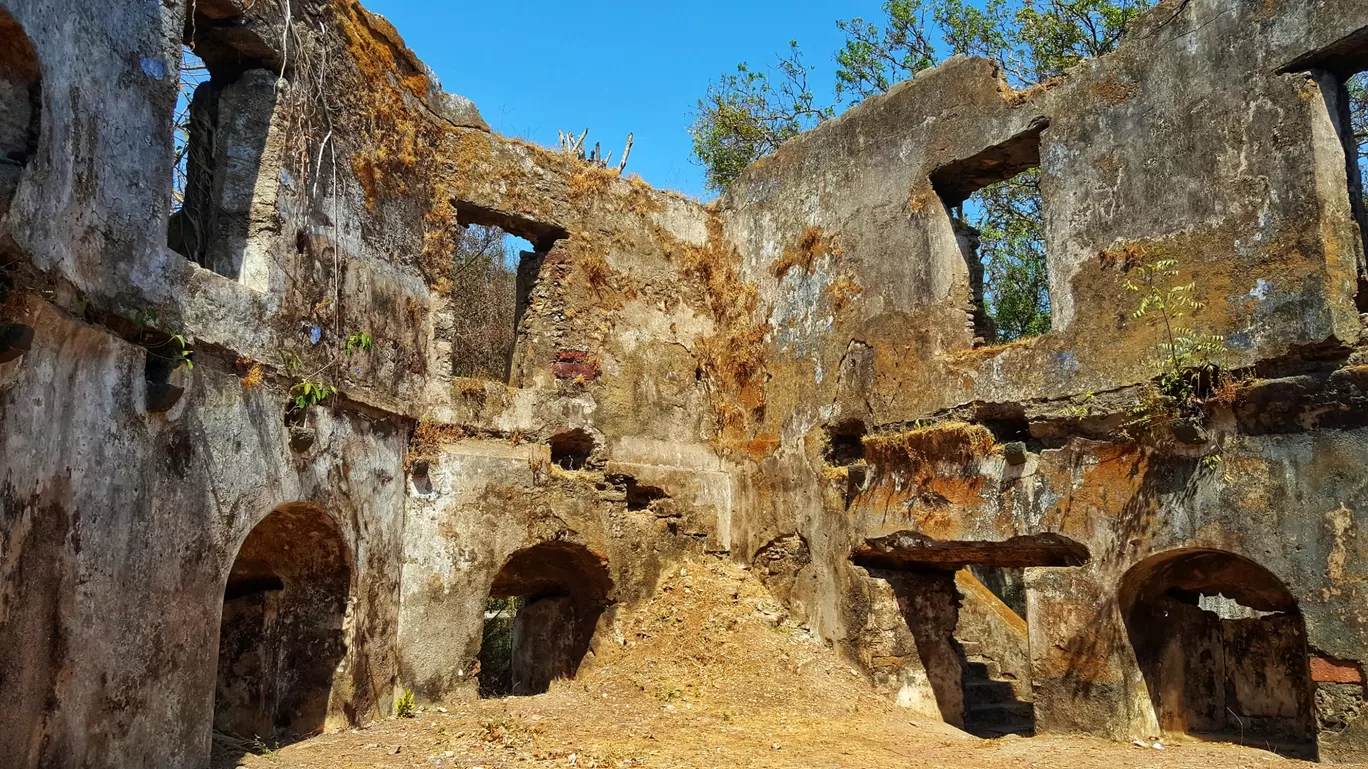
(281, 636)
(540, 617)
(1222, 647)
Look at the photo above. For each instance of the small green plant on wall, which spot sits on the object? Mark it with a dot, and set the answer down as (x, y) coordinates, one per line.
(313, 391)
(405, 706)
(1187, 362)
(171, 348)
(306, 394)
(357, 343)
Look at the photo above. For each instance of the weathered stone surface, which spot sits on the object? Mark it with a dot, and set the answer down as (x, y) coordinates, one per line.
(787, 378)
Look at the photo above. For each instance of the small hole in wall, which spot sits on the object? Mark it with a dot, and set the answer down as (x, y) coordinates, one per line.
(163, 357)
(420, 476)
(997, 215)
(845, 443)
(570, 450)
(641, 496)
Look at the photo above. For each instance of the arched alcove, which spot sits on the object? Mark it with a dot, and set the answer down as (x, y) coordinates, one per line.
(543, 607)
(281, 634)
(20, 105)
(1222, 648)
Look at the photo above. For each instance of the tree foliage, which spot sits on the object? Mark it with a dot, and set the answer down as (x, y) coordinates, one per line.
(483, 328)
(746, 115)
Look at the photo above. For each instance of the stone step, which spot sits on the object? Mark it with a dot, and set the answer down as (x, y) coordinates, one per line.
(982, 667)
(970, 648)
(1011, 716)
(987, 692)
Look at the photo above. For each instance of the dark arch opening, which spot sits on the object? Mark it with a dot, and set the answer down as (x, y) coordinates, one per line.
(1222, 647)
(281, 634)
(21, 101)
(543, 607)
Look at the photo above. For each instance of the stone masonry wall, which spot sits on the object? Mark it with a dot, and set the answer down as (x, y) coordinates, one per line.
(697, 363)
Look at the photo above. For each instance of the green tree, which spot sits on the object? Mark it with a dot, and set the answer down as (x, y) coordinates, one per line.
(748, 114)
(743, 118)
(1036, 40)
(874, 58)
(1012, 249)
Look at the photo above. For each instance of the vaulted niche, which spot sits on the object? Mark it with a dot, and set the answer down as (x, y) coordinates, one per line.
(966, 606)
(498, 261)
(228, 160)
(540, 617)
(1222, 648)
(21, 103)
(281, 636)
(995, 208)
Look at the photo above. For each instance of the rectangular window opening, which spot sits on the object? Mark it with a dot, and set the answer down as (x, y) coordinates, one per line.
(495, 270)
(1354, 130)
(224, 108)
(1341, 69)
(485, 296)
(995, 208)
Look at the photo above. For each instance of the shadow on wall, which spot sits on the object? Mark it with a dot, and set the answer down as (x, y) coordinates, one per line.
(281, 636)
(554, 593)
(1222, 648)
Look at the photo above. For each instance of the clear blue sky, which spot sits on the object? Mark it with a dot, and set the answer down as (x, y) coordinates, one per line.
(534, 66)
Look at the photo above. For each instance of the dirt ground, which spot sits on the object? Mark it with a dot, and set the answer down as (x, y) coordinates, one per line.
(710, 674)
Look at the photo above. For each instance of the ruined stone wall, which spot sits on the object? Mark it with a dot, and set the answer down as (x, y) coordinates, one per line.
(1208, 137)
(685, 378)
(343, 173)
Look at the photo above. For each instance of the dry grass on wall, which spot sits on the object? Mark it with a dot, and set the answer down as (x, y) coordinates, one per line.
(733, 357)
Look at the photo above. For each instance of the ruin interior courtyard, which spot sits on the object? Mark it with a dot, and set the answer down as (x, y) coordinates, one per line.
(748, 488)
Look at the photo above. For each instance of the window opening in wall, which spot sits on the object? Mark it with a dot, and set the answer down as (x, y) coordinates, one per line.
(1222, 647)
(996, 212)
(224, 168)
(496, 267)
(539, 619)
(1341, 71)
(485, 291)
(1355, 124)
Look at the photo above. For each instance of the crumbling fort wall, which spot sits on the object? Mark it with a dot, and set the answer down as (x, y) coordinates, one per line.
(788, 376)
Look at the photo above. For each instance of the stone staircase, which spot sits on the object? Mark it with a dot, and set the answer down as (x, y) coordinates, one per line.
(991, 707)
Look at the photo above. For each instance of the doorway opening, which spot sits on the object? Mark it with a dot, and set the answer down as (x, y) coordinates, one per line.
(1222, 648)
(281, 633)
(539, 619)
(966, 605)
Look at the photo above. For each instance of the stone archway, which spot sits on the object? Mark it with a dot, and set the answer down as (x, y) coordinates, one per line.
(281, 634)
(552, 595)
(1222, 648)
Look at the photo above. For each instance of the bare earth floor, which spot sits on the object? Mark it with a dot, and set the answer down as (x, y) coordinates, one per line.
(706, 675)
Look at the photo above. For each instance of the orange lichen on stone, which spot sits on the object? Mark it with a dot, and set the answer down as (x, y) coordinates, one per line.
(812, 245)
(379, 51)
